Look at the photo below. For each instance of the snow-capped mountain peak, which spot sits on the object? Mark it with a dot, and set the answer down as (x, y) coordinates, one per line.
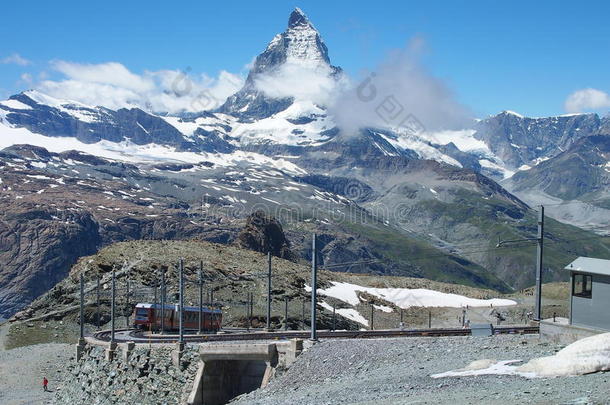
(298, 18)
(301, 43)
(513, 113)
(293, 57)
(268, 116)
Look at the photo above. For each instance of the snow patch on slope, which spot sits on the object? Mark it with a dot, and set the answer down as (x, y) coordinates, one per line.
(487, 164)
(406, 297)
(420, 146)
(278, 128)
(585, 356)
(348, 313)
(464, 140)
(15, 105)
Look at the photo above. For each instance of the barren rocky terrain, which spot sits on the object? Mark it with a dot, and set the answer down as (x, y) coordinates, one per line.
(397, 372)
(23, 369)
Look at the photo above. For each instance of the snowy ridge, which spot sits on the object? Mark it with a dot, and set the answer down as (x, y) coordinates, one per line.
(77, 110)
(516, 114)
(303, 123)
(131, 152)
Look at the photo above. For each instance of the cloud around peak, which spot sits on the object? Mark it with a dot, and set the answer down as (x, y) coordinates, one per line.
(401, 92)
(315, 83)
(114, 86)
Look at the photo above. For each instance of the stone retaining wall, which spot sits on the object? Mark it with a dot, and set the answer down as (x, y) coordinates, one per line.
(148, 376)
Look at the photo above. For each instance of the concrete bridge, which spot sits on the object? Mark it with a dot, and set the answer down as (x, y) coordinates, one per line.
(226, 371)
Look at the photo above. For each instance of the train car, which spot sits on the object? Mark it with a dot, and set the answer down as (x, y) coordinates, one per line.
(148, 317)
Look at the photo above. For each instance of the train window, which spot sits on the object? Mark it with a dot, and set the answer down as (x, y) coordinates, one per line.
(582, 285)
(141, 312)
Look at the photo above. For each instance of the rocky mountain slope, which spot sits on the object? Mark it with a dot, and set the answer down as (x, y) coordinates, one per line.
(521, 141)
(575, 183)
(59, 207)
(399, 201)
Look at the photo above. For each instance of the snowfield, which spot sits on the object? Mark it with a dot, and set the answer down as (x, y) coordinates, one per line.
(406, 298)
(401, 297)
(15, 105)
(131, 152)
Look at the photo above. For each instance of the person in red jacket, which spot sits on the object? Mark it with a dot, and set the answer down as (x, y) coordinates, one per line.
(45, 382)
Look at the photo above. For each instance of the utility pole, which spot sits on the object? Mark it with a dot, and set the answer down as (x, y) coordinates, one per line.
(539, 252)
(112, 311)
(97, 299)
(429, 319)
(82, 306)
(200, 297)
(334, 318)
(539, 260)
(463, 317)
(127, 315)
(181, 302)
(401, 318)
(155, 296)
(314, 287)
(269, 290)
(162, 300)
(248, 311)
(303, 314)
(251, 310)
(285, 313)
(155, 300)
(372, 317)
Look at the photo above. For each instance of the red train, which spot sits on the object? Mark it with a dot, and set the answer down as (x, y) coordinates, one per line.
(148, 316)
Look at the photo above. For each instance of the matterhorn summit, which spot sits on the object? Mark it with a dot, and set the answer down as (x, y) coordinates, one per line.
(272, 83)
(300, 43)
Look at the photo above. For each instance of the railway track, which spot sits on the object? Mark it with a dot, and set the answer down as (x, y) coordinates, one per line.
(125, 335)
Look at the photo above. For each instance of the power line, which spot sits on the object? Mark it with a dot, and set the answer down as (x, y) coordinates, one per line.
(575, 202)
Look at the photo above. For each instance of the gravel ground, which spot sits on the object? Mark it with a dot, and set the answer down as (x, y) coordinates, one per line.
(397, 371)
(22, 370)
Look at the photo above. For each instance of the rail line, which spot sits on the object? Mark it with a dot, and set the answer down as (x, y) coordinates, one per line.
(141, 337)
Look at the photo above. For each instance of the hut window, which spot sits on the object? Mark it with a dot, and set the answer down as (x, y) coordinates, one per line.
(581, 286)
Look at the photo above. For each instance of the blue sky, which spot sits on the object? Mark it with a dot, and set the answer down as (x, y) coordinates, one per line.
(522, 56)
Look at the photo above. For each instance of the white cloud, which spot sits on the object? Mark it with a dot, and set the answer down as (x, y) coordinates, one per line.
(111, 73)
(26, 78)
(303, 82)
(587, 100)
(400, 93)
(114, 86)
(15, 59)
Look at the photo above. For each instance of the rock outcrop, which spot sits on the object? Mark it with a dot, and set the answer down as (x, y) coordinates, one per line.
(263, 233)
